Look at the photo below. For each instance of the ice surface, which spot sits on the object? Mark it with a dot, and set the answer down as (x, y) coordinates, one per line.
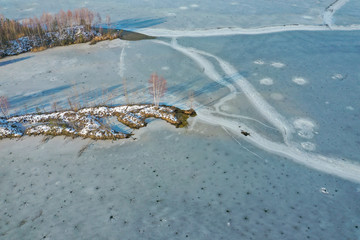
(283, 72)
(186, 14)
(200, 185)
(348, 14)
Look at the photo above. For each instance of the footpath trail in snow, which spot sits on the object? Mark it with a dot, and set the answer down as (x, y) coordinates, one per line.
(329, 12)
(122, 63)
(242, 31)
(337, 167)
(247, 89)
(344, 169)
(327, 16)
(254, 97)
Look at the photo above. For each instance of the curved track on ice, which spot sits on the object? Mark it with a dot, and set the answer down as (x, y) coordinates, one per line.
(338, 167)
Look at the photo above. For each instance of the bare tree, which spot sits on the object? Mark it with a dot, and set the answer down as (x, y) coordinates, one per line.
(108, 20)
(63, 20)
(191, 99)
(70, 18)
(98, 18)
(54, 106)
(4, 105)
(157, 88)
(125, 90)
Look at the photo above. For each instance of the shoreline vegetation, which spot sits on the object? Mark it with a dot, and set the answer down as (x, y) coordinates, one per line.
(61, 29)
(90, 122)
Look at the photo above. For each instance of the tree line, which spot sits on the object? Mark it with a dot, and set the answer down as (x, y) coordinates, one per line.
(14, 29)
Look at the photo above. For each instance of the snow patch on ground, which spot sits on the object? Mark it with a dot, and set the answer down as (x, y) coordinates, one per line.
(277, 96)
(309, 146)
(259, 62)
(307, 17)
(299, 80)
(277, 64)
(267, 81)
(305, 127)
(337, 76)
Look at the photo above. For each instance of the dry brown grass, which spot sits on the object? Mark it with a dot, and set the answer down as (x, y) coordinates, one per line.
(104, 37)
(38, 49)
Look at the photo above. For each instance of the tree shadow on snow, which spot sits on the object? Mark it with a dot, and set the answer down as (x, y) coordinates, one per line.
(4, 63)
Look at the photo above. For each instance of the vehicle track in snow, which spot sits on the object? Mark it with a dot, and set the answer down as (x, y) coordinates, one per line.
(344, 169)
(328, 15)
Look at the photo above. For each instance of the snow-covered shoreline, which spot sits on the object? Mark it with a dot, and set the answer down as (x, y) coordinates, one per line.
(70, 35)
(86, 122)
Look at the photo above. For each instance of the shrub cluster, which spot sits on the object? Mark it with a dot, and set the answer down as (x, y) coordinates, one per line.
(14, 29)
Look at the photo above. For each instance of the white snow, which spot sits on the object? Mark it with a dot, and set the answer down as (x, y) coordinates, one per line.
(305, 127)
(267, 81)
(86, 121)
(277, 64)
(259, 62)
(299, 80)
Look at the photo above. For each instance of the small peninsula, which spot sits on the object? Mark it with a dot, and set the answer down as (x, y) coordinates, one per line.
(87, 122)
(61, 29)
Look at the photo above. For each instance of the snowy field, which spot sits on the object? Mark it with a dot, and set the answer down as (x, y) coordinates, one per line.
(272, 154)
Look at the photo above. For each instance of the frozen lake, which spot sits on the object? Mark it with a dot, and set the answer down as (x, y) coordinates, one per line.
(287, 73)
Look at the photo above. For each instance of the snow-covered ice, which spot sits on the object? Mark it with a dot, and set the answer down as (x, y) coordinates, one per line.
(265, 158)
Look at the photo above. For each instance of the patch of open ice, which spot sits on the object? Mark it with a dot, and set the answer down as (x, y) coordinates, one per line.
(309, 146)
(305, 127)
(183, 8)
(194, 5)
(259, 62)
(299, 80)
(266, 81)
(277, 64)
(350, 108)
(171, 14)
(277, 96)
(165, 68)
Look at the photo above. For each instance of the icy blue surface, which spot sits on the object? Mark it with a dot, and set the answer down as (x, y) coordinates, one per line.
(207, 181)
(348, 14)
(317, 57)
(182, 14)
